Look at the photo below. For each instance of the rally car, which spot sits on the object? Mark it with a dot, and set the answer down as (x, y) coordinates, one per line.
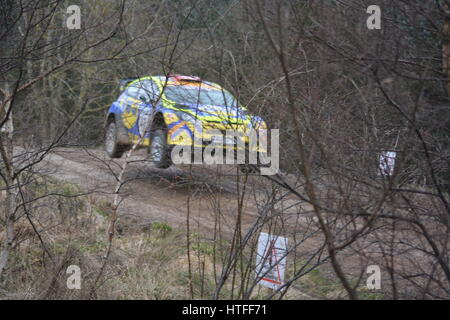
(160, 112)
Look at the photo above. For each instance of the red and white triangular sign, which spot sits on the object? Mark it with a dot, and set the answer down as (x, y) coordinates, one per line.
(271, 260)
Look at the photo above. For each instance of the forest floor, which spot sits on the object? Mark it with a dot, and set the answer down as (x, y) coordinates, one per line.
(157, 198)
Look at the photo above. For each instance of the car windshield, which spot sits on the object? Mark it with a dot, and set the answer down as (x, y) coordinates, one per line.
(197, 95)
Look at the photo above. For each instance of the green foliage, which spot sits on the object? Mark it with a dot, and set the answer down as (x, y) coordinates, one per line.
(103, 207)
(162, 228)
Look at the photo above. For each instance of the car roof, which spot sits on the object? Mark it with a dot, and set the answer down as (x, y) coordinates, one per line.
(173, 80)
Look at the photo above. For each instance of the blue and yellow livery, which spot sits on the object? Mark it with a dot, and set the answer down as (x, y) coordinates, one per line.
(160, 112)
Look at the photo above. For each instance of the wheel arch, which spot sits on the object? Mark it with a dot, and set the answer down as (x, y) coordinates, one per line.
(158, 121)
(122, 134)
(110, 117)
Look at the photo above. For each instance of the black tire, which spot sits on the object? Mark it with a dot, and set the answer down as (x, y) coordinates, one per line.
(112, 147)
(159, 151)
(248, 169)
(253, 168)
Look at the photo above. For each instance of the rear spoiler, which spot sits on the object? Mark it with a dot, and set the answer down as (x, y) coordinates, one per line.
(124, 82)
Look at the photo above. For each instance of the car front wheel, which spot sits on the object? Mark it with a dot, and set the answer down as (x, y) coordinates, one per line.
(159, 150)
(112, 147)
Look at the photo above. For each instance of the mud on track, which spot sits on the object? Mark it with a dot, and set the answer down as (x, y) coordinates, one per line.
(150, 194)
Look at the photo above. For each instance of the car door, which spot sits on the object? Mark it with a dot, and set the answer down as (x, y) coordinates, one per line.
(148, 95)
(131, 104)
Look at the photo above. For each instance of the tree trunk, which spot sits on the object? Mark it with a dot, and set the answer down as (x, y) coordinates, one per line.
(446, 47)
(6, 152)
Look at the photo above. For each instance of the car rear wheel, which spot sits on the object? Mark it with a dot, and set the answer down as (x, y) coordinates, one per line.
(112, 147)
(159, 150)
(254, 168)
(248, 169)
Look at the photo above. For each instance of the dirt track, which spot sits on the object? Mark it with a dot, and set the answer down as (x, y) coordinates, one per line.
(152, 194)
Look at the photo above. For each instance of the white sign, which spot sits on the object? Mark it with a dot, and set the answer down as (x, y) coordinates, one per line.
(387, 163)
(271, 260)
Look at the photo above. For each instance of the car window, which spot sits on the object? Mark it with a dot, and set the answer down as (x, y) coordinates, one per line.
(133, 92)
(197, 95)
(151, 89)
(145, 88)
